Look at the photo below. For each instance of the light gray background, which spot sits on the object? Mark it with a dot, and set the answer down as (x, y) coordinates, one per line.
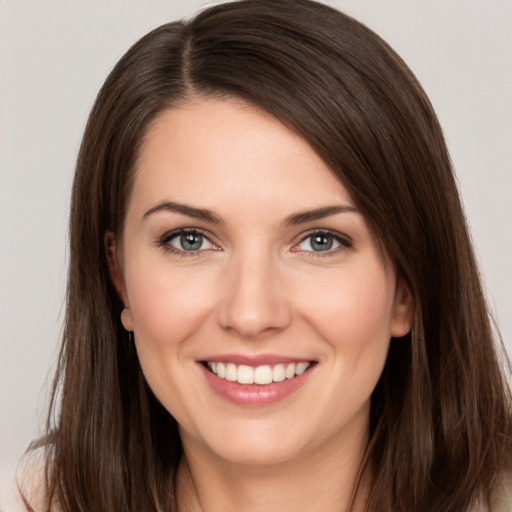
(54, 56)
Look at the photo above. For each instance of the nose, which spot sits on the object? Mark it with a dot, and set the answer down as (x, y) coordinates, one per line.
(254, 299)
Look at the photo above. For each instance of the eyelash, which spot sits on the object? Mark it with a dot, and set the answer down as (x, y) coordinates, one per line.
(164, 242)
(345, 243)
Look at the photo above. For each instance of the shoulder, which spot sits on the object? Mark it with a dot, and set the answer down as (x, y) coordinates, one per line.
(502, 498)
(29, 489)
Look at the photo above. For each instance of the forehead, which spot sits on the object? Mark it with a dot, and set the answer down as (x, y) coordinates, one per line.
(218, 151)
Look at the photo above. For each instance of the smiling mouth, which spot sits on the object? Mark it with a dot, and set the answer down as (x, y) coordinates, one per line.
(262, 375)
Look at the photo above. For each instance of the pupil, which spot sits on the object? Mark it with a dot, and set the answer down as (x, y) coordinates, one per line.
(321, 242)
(191, 241)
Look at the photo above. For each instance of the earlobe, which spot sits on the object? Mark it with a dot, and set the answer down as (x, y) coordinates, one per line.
(126, 319)
(114, 267)
(403, 310)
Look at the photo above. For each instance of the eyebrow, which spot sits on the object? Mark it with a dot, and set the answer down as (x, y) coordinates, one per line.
(318, 213)
(209, 216)
(189, 211)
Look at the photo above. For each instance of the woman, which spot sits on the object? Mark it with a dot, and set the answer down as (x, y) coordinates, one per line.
(273, 300)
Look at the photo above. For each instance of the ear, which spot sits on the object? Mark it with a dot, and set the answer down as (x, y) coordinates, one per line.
(403, 310)
(116, 276)
(114, 267)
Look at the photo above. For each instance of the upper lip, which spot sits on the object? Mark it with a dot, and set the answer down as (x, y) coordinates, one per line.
(254, 360)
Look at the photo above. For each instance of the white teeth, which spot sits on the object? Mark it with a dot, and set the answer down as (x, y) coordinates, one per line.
(245, 374)
(278, 373)
(263, 375)
(301, 368)
(266, 374)
(231, 372)
(221, 370)
(290, 371)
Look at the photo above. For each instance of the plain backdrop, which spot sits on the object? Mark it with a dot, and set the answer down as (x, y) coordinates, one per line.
(54, 56)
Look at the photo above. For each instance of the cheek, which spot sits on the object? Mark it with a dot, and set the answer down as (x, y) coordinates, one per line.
(352, 308)
(167, 306)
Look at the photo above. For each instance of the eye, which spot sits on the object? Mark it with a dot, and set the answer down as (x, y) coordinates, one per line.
(186, 241)
(322, 241)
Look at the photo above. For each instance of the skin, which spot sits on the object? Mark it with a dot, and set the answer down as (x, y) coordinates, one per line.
(256, 286)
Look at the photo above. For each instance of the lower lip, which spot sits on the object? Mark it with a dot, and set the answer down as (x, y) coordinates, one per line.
(254, 394)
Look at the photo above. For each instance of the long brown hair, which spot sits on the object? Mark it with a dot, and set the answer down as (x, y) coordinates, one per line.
(440, 425)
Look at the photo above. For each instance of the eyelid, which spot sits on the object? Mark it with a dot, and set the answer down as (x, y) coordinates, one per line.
(164, 240)
(346, 242)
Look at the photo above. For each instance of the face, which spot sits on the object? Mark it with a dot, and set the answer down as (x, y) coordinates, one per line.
(261, 307)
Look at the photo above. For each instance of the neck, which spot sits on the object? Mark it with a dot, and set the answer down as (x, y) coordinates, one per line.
(318, 481)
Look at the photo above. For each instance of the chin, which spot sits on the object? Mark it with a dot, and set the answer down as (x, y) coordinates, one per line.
(252, 443)
(258, 453)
